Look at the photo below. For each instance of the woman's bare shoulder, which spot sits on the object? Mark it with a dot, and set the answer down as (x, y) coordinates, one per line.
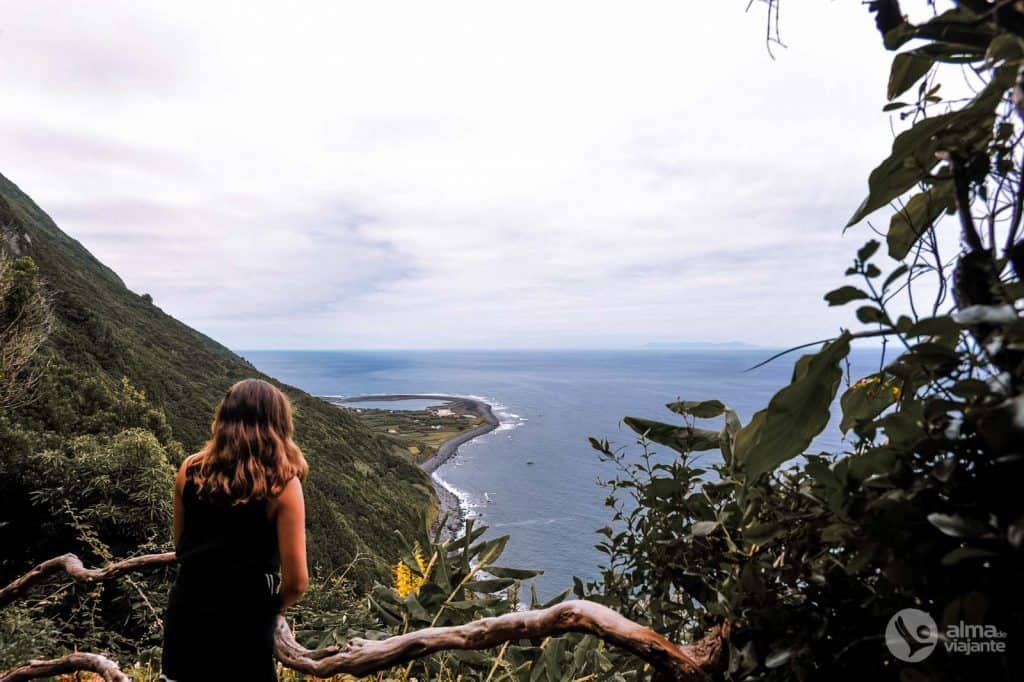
(290, 495)
(183, 469)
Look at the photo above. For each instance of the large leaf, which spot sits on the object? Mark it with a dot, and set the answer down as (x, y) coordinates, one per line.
(516, 573)
(703, 409)
(844, 295)
(914, 151)
(680, 438)
(951, 53)
(727, 436)
(958, 526)
(867, 399)
(908, 224)
(795, 415)
(912, 157)
(907, 69)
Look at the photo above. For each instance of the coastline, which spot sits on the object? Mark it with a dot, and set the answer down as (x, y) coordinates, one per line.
(448, 502)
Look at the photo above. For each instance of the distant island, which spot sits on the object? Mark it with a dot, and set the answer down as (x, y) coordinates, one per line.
(702, 345)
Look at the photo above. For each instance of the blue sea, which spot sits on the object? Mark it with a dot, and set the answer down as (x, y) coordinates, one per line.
(549, 402)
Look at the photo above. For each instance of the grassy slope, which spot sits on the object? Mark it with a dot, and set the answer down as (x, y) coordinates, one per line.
(359, 491)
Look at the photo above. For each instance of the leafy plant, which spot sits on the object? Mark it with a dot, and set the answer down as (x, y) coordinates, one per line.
(811, 554)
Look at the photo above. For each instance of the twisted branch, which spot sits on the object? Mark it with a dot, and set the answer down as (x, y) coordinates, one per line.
(73, 566)
(361, 657)
(101, 665)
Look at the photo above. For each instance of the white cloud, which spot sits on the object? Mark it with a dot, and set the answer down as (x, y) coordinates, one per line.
(454, 174)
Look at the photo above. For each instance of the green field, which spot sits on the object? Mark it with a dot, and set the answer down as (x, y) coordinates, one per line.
(419, 432)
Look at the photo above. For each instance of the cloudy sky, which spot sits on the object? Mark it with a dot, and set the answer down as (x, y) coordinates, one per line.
(449, 175)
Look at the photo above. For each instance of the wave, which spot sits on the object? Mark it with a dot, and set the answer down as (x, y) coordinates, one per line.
(507, 420)
(531, 522)
(466, 502)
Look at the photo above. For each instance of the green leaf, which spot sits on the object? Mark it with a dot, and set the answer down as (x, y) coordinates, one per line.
(907, 69)
(662, 487)
(914, 151)
(897, 36)
(970, 388)
(935, 326)
(957, 526)
(868, 250)
(728, 433)
(702, 528)
(867, 399)
(913, 155)
(963, 553)
(950, 53)
(903, 429)
(844, 295)
(1006, 47)
(703, 409)
(795, 415)
(680, 438)
(777, 659)
(763, 533)
(908, 224)
(553, 653)
(870, 314)
(488, 586)
(892, 277)
(516, 573)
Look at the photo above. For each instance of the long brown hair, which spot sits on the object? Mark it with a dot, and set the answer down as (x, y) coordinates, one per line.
(251, 455)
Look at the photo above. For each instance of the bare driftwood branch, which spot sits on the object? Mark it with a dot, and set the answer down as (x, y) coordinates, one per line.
(362, 657)
(73, 566)
(101, 665)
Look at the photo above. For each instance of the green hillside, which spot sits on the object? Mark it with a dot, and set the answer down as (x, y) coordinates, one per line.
(360, 488)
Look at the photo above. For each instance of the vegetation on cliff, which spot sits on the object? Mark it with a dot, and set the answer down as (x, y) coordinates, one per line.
(812, 555)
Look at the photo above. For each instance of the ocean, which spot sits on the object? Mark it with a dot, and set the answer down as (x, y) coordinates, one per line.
(549, 402)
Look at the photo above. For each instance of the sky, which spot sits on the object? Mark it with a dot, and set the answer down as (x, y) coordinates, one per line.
(454, 174)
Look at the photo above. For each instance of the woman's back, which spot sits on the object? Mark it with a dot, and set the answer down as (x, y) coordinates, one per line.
(226, 538)
(224, 597)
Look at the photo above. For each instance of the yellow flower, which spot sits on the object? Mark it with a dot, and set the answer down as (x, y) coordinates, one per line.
(407, 582)
(417, 554)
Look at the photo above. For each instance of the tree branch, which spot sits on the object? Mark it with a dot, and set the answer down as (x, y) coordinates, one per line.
(362, 657)
(101, 665)
(963, 200)
(73, 566)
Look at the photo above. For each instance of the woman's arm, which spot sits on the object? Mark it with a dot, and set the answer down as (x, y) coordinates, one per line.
(291, 542)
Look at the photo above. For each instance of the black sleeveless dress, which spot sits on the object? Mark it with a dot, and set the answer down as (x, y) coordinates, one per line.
(223, 605)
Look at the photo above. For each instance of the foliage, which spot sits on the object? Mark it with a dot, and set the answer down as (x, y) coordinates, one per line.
(24, 632)
(811, 554)
(25, 324)
(453, 582)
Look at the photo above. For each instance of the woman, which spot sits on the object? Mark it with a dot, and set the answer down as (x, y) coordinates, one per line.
(239, 516)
